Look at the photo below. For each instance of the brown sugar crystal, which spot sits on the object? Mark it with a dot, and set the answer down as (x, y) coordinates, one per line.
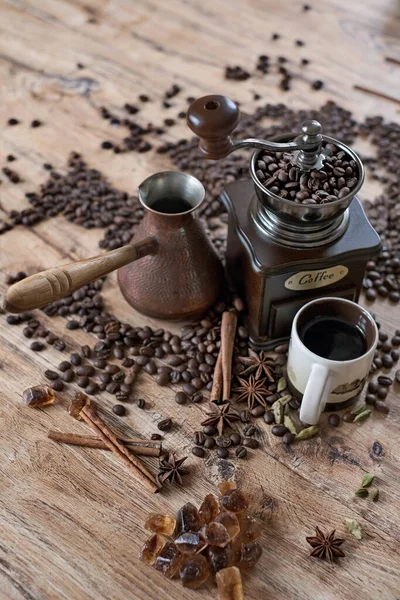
(230, 521)
(215, 534)
(235, 501)
(189, 543)
(194, 571)
(226, 486)
(151, 548)
(188, 519)
(159, 523)
(39, 395)
(229, 582)
(169, 560)
(209, 509)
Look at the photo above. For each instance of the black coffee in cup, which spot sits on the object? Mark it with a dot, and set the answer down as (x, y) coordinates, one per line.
(333, 338)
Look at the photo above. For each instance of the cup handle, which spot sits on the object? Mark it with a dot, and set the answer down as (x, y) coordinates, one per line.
(316, 394)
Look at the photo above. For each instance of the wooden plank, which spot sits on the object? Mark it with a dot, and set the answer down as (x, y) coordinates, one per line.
(72, 518)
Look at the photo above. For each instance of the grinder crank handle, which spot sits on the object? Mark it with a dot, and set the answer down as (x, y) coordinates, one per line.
(51, 285)
(213, 118)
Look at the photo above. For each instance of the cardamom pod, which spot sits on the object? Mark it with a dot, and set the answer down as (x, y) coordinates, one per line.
(285, 399)
(307, 433)
(359, 410)
(287, 421)
(282, 385)
(277, 409)
(367, 479)
(373, 494)
(362, 416)
(354, 528)
(361, 493)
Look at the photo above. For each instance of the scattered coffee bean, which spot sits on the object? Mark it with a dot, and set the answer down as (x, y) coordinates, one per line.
(199, 438)
(348, 417)
(250, 442)
(288, 438)
(57, 385)
(222, 452)
(269, 417)
(86, 371)
(64, 365)
(223, 442)
(279, 430)
(75, 359)
(382, 392)
(209, 443)
(68, 375)
(370, 399)
(198, 451)
(181, 398)
(382, 407)
(241, 452)
(235, 438)
(197, 397)
(37, 346)
(387, 361)
(249, 430)
(141, 403)
(164, 425)
(119, 409)
(258, 411)
(334, 420)
(397, 376)
(82, 381)
(162, 378)
(156, 436)
(245, 416)
(52, 375)
(210, 430)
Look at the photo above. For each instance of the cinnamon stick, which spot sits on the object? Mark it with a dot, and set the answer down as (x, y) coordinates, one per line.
(217, 384)
(90, 416)
(228, 330)
(377, 94)
(394, 61)
(137, 446)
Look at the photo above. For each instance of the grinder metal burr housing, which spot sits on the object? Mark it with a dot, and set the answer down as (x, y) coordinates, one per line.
(287, 247)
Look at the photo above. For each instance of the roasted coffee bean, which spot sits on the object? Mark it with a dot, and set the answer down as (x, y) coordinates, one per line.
(378, 362)
(249, 430)
(245, 416)
(112, 369)
(279, 430)
(395, 341)
(382, 407)
(119, 409)
(197, 397)
(37, 346)
(189, 389)
(59, 345)
(334, 420)
(72, 324)
(75, 359)
(52, 375)
(382, 392)
(387, 361)
(198, 451)
(164, 425)
(269, 417)
(222, 452)
(92, 388)
(163, 378)
(397, 376)
(235, 438)
(112, 388)
(99, 363)
(142, 360)
(105, 377)
(386, 347)
(118, 377)
(373, 386)
(156, 436)
(86, 351)
(210, 430)
(28, 332)
(199, 438)
(141, 403)
(348, 417)
(241, 452)
(64, 365)
(288, 438)
(258, 411)
(370, 399)
(82, 381)
(42, 331)
(395, 355)
(181, 398)
(209, 443)
(68, 375)
(86, 371)
(150, 368)
(57, 385)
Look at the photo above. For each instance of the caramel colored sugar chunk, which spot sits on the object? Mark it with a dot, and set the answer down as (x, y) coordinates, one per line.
(219, 558)
(250, 527)
(235, 501)
(188, 519)
(169, 560)
(230, 522)
(76, 405)
(250, 554)
(159, 523)
(209, 509)
(215, 534)
(229, 582)
(151, 548)
(37, 396)
(189, 543)
(194, 571)
(226, 486)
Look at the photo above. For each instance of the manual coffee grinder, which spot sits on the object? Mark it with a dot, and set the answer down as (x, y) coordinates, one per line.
(282, 251)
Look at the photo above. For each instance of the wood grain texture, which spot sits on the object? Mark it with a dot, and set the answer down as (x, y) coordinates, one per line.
(71, 518)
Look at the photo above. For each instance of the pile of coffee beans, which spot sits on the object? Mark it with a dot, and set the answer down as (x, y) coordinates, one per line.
(336, 179)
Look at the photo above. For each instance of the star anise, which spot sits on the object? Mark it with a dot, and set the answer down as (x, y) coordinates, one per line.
(252, 391)
(170, 469)
(325, 545)
(221, 416)
(261, 363)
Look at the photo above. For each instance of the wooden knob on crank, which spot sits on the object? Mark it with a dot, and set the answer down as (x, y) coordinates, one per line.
(213, 118)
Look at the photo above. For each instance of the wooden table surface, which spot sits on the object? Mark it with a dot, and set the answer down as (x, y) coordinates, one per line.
(72, 518)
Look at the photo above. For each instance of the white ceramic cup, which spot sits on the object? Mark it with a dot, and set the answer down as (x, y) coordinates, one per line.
(321, 381)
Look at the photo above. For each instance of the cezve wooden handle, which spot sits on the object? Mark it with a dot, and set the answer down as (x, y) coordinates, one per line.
(40, 289)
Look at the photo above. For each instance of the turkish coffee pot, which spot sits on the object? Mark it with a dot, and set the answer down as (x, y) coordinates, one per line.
(169, 271)
(283, 252)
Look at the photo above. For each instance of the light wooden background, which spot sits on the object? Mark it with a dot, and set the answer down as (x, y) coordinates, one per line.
(71, 518)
